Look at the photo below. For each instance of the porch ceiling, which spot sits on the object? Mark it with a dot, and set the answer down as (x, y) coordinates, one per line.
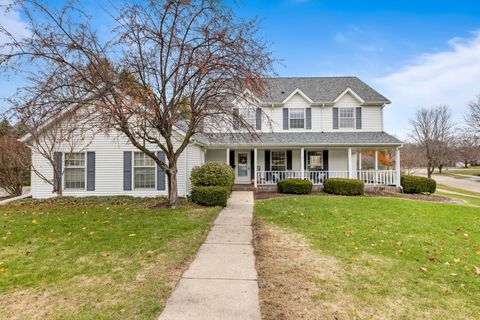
(301, 139)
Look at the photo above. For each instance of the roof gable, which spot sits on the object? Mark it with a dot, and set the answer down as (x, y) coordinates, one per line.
(352, 93)
(300, 93)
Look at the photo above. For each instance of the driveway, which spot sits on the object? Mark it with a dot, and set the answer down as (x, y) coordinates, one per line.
(465, 184)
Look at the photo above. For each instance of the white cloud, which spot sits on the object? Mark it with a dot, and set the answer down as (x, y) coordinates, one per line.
(450, 77)
(11, 20)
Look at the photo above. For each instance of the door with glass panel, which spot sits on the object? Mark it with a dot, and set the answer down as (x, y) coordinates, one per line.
(242, 167)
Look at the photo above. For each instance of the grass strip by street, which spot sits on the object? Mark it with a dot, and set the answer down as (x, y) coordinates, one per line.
(453, 189)
(468, 199)
(370, 258)
(102, 258)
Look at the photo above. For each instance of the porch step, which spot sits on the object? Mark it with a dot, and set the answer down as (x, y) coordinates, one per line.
(243, 187)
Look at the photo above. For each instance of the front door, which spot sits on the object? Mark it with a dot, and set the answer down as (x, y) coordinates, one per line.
(242, 168)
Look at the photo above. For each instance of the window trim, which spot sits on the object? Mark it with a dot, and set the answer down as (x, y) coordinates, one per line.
(254, 123)
(304, 119)
(340, 118)
(271, 160)
(64, 176)
(308, 159)
(133, 173)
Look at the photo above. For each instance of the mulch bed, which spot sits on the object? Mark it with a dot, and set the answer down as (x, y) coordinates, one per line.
(424, 197)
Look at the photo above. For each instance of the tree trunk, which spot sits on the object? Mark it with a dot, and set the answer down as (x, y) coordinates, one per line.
(429, 170)
(172, 185)
(440, 167)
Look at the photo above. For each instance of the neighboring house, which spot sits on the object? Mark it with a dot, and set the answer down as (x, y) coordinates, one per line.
(308, 128)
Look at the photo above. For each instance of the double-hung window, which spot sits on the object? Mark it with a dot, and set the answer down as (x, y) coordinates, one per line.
(75, 170)
(297, 118)
(249, 115)
(315, 160)
(279, 161)
(144, 171)
(346, 118)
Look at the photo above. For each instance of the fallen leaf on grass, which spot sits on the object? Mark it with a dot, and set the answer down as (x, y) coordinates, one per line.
(104, 254)
(477, 271)
(423, 269)
(34, 221)
(132, 235)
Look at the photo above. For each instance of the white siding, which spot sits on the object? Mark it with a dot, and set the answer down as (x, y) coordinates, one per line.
(217, 155)
(337, 160)
(195, 156)
(108, 170)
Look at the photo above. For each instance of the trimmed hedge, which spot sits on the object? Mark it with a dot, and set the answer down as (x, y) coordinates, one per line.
(295, 186)
(344, 187)
(213, 174)
(210, 195)
(413, 184)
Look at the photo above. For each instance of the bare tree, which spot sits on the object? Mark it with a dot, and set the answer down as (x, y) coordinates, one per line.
(473, 115)
(14, 164)
(412, 158)
(432, 128)
(171, 65)
(467, 148)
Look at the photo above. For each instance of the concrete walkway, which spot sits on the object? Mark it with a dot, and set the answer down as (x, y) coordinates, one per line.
(221, 282)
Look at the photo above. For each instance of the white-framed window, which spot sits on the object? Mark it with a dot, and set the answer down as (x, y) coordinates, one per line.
(143, 171)
(297, 118)
(278, 161)
(346, 118)
(315, 160)
(75, 170)
(249, 115)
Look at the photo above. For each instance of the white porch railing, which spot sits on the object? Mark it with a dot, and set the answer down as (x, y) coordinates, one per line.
(374, 177)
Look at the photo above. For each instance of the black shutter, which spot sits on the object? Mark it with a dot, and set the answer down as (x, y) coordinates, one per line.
(325, 160)
(235, 119)
(90, 171)
(285, 118)
(305, 160)
(267, 160)
(252, 164)
(232, 158)
(57, 171)
(258, 119)
(335, 118)
(308, 116)
(289, 159)
(127, 170)
(160, 172)
(358, 113)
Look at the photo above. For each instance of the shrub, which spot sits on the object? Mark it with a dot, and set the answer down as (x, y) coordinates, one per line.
(413, 184)
(344, 187)
(295, 186)
(213, 174)
(210, 195)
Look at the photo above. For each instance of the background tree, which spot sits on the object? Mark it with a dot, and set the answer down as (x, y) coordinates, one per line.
(164, 55)
(467, 148)
(412, 158)
(432, 129)
(473, 115)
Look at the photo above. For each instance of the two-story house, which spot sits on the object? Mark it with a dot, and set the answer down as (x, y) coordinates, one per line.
(308, 128)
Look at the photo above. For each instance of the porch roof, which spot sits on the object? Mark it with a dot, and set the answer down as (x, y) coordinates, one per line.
(300, 139)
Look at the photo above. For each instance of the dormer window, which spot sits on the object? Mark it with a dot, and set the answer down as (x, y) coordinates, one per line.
(346, 118)
(297, 118)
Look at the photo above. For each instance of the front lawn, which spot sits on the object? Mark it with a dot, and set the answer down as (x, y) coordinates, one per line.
(95, 258)
(364, 257)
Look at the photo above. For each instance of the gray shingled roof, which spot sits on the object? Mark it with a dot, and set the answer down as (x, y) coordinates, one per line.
(319, 89)
(300, 138)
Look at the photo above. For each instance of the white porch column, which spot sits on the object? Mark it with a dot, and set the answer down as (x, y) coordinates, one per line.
(376, 168)
(397, 166)
(228, 156)
(255, 167)
(350, 164)
(360, 160)
(302, 163)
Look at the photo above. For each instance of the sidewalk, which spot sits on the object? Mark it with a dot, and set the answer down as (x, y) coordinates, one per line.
(221, 282)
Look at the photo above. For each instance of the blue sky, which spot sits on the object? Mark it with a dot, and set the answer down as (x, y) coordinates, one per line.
(417, 53)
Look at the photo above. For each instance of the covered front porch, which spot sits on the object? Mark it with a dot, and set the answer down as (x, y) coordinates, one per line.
(375, 165)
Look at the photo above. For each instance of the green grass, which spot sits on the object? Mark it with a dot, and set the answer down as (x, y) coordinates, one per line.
(412, 259)
(453, 189)
(472, 171)
(468, 199)
(102, 258)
